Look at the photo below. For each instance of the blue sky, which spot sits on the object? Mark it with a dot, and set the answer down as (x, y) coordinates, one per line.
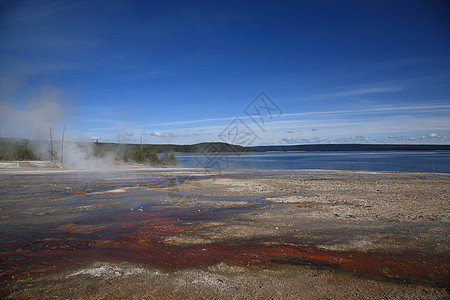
(183, 71)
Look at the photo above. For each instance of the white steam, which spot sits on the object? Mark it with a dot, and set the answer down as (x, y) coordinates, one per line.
(33, 119)
(81, 156)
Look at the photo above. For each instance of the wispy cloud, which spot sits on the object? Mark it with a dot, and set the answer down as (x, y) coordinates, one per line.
(360, 92)
(190, 122)
(357, 126)
(50, 8)
(303, 127)
(145, 75)
(431, 138)
(422, 108)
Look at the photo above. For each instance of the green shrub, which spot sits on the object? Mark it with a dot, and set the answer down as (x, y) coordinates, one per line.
(99, 151)
(24, 153)
(168, 160)
(165, 158)
(136, 155)
(152, 157)
(172, 160)
(7, 151)
(139, 155)
(3, 154)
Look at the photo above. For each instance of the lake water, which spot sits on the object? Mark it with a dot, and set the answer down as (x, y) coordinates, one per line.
(404, 161)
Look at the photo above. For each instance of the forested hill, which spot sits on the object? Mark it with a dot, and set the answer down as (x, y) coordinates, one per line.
(12, 144)
(194, 148)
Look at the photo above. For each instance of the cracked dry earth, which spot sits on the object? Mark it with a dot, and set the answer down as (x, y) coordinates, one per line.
(181, 233)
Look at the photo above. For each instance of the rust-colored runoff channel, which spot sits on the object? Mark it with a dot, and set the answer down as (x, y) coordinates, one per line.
(140, 241)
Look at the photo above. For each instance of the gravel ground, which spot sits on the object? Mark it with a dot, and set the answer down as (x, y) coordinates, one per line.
(342, 212)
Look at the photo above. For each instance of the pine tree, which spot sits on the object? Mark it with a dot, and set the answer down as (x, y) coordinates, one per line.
(152, 157)
(172, 160)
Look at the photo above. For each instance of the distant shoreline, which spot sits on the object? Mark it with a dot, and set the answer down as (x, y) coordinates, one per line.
(219, 147)
(354, 147)
(306, 151)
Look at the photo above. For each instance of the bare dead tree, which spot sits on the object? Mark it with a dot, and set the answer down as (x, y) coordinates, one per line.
(62, 146)
(52, 149)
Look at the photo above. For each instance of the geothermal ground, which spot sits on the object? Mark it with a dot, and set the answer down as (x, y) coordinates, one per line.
(256, 234)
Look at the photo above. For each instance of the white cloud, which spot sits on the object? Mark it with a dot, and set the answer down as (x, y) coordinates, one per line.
(431, 138)
(422, 139)
(157, 133)
(289, 141)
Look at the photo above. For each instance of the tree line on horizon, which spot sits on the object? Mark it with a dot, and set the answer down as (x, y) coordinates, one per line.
(153, 154)
(138, 154)
(194, 148)
(25, 150)
(17, 151)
